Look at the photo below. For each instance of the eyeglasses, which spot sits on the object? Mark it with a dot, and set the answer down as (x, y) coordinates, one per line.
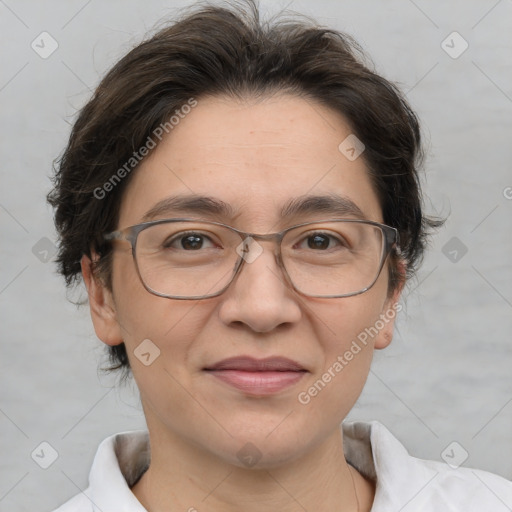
(195, 259)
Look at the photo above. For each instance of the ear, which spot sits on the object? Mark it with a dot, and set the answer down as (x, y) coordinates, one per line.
(390, 310)
(101, 305)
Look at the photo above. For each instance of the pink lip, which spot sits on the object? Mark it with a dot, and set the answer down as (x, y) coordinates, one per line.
(258, 376)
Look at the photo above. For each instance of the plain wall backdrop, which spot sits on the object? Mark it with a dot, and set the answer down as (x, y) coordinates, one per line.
(447, 375)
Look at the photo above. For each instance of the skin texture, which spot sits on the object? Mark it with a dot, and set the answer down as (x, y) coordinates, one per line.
(254, 155)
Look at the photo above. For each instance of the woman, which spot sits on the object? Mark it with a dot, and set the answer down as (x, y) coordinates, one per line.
(242, 202)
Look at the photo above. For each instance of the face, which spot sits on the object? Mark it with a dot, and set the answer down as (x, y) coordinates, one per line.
(254, 156)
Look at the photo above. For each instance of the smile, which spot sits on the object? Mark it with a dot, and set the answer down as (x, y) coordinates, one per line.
(259, 377)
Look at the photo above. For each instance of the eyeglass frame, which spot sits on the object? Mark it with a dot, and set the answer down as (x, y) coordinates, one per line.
(131, 233)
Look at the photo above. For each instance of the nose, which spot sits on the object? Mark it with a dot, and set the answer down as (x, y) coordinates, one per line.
(259, 296)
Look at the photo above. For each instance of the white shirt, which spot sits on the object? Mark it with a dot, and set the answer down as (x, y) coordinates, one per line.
(403, 483)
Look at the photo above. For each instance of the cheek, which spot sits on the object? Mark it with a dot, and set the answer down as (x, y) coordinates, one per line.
(347, 331)
(346, 320)
(133, 302)
(159, 333)
(144, 316)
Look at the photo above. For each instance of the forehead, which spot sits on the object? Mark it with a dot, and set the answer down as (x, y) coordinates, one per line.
(256, 157)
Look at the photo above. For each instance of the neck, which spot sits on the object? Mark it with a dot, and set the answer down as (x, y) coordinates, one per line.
(183, 476)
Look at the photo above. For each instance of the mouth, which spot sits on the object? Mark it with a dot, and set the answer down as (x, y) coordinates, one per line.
(258, 377)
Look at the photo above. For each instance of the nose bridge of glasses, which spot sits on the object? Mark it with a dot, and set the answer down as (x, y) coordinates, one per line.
(251, 249)
(253, 242)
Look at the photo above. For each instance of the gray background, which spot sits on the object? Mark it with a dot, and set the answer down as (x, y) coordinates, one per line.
(447, 375)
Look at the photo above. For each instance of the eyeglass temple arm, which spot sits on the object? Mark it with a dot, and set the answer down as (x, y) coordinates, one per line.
(393, 240)
(114, 235)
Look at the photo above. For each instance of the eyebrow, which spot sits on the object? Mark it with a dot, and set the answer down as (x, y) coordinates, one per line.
(332, 204)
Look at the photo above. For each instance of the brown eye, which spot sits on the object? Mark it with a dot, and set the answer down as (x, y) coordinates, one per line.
(188, 241)
(322, 241)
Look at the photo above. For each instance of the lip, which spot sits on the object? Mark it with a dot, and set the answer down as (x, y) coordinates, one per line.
(251, 364)
(258, 377)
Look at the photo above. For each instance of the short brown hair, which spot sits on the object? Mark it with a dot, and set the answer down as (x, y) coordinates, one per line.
(229, 51)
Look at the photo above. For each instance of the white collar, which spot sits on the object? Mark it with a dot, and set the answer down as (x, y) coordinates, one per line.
(403, 482)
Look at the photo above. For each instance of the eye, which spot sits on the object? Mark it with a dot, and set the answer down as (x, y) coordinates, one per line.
(190, 241)
(323, 241)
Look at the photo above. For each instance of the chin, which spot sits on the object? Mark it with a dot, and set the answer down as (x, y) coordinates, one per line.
(263, 444)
